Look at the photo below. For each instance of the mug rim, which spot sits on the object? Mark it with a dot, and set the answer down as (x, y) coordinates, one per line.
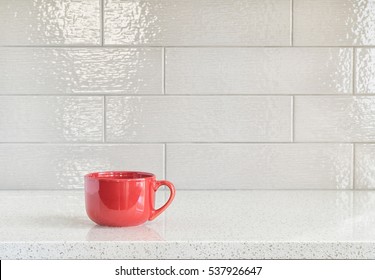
(96, 176)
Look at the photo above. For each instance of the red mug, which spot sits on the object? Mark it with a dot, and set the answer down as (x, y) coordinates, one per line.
(123, 198)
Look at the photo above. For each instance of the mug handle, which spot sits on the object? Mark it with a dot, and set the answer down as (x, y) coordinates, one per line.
(157, 212)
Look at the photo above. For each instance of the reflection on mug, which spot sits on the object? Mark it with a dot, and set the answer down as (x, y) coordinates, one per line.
(139, 233)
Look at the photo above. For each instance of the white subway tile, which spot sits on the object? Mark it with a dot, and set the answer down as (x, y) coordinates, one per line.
(45, 22)
(365, 71)
(197, 22)
(51, 119)
(335, 118)
(260, 166)
(35, 166)
(364, 222)
(334, 22)
(198, 119)
(258, 70)
(365, 166)
(80, 71)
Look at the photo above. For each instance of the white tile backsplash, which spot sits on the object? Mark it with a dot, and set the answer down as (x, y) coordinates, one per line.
(46, 22)
(60, 166)
(51, 118)
(334, 119)
(258, 70)
(80, 71)
(365, 71)
(260, 166)
(334, 22)
(216, 94)
(197, 22)
(198, 119)
(365, 166)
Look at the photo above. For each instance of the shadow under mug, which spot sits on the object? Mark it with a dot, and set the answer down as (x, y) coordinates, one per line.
(123, 198)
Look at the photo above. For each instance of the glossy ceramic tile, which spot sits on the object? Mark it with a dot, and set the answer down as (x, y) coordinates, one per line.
(197, 22)
(365, 71)
(334, 22)
(44, 22)
(211, 79)
(334, 119)
(198, 119)
(80, 70)
(260, 166)
(365, 166)
(364, 214)
(51, 119)
(258, 70)
(227, 225)
(36, 166)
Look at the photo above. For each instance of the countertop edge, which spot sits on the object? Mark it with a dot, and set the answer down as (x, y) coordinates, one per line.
(187, 250)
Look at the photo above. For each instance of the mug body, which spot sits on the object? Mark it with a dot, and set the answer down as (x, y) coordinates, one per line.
(119, 198)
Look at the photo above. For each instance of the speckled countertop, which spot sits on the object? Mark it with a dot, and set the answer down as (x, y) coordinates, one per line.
(199, 224)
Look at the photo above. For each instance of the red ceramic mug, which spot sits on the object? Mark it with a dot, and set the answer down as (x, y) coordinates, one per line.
(123, 198)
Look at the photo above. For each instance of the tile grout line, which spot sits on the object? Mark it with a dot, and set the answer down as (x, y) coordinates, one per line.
(352, 212)
(353, 166)
(163, 70)
(293, 120)
(291, 22)
(104, 119)
(353, 188)
(165, 161)
(93, 46)
(75, 143)
(179, 95)
(353, 71)
(165, 215)
(164, 92)
(102, 22)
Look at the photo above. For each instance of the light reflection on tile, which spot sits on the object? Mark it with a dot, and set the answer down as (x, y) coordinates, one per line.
(51, 119)
(365, 71)
(258, 71)
(196, 118)
(364, 214)
(45, 22)
(365, 166)
(260, 166)
(334, 22)
(54, 166)
(197, 22)
(334, 119)
(80, 71)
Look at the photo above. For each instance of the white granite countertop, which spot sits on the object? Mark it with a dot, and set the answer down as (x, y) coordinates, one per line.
(198, 225)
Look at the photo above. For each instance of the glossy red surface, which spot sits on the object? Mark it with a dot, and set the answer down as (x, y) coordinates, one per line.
(123, 198)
